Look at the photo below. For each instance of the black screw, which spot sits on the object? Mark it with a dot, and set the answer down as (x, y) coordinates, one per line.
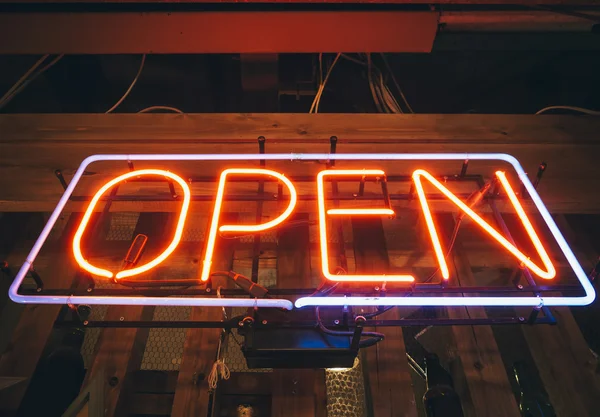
(113, 382)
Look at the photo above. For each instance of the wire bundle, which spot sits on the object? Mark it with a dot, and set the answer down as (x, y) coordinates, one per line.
(384, 99)
(385, 102)
(30, 75)
(314, 108)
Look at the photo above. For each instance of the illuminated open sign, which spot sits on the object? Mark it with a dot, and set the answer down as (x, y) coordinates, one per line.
(545, 270)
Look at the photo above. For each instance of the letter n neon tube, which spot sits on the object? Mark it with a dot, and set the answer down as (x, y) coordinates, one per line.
(349, 212)
(248, 228)
(549, 273)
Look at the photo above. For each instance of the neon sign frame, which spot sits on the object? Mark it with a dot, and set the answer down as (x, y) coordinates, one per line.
(536, 301)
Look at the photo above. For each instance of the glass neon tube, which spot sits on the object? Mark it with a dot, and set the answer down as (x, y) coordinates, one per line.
(549, 273)
(353, 211)
(586, 299)
(249, 228)
(84, 264)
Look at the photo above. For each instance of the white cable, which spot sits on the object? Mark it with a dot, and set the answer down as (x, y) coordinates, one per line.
(152, 108)
(20, 81)
(219, 371)
(389, 69)
(317, 100)
(10, 95)
(130, 86)
(579, 109)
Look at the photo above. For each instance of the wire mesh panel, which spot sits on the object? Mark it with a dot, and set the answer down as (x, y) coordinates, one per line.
(164, 348)
(346, 391)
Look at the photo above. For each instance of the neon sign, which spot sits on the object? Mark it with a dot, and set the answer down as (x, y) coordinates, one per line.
(547, 271)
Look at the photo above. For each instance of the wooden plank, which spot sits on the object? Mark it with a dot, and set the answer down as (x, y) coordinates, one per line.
(200, 348)
(209, 32)
(565, 363)
(212, 128)
(35, 145)
(119, 350)
(486, 379)
(19, 231)
(581, 232)
(28, 340)
(296, 392)
(151, 404)
(389, 386)
(154, 382)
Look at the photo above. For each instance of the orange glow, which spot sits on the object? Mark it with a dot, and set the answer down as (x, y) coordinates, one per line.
(84, 264)
(549, 273)
(352, 212)
(359, 212)
(249, 228)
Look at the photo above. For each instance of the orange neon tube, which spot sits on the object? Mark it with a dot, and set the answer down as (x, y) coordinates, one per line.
(360, 211)
(84, 264)
(549, 273)
(350, 211)
(249, 228)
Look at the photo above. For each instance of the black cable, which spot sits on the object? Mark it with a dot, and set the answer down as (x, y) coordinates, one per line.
(374, 337)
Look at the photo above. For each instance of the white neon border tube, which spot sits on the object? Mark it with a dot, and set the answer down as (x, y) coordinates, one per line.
(588, 298)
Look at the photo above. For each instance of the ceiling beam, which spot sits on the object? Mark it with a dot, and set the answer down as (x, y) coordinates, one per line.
(217, 32)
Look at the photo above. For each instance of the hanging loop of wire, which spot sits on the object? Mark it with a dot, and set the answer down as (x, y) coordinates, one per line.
(118, 103)
(219, 369)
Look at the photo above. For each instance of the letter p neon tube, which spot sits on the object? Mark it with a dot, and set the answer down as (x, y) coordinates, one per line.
(247, 228)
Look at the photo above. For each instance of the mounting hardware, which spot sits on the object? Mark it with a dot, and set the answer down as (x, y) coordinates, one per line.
(60, 177)
(332, 150)
(463, 170)
(261, 149)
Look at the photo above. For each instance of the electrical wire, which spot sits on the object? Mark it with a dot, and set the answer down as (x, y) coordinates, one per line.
(24, 81)
(168, 108)
(573, 108)
(219, 369)
(314, 108)
(374, 337)
(371, 86)
(389, 70)
(118, 103)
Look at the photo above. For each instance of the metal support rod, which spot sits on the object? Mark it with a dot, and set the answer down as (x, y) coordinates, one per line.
(463, 170)
(36, 277)
(61, 179)
(361, 187)
(332, 149)
(231, 324)
(258, 218)
(386, 194)
(535, 311)
(272, 197)
(355, 343)
(538, 177)
(130, 165)
(433, 289)
(515, 277)
(172, 189)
